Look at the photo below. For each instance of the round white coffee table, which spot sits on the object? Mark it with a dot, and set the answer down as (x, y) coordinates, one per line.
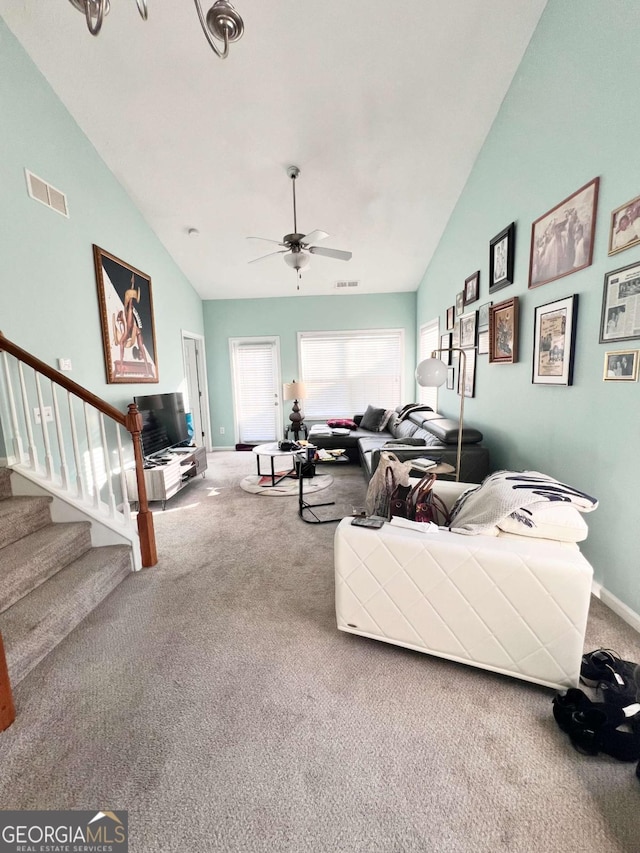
(272, 451)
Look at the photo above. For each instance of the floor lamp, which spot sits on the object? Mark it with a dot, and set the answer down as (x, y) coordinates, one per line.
(432, 373)
(295, 391)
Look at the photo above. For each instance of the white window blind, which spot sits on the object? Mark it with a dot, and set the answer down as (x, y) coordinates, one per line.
(429, 341)
(255, 386)
(344, 372)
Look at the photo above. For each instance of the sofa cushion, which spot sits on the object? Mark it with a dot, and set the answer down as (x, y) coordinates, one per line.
(557, 521)
(375, 419)
(410, 440)
(446, 430)
(347, 423)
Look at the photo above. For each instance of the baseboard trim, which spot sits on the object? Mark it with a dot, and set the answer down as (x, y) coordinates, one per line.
(619, 607)
(228, 447)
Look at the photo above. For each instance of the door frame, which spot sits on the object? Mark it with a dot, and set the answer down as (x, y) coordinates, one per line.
(201, 358)
(256, 339)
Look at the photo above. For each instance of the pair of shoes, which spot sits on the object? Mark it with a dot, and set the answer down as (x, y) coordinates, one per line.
(605, 670)
(593, 727)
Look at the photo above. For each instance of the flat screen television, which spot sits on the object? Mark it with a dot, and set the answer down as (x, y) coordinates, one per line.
(164, 421)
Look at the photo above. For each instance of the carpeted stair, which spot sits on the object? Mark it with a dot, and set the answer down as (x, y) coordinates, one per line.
(50, 577)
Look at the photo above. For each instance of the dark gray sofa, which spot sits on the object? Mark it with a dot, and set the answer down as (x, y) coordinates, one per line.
(439, 437)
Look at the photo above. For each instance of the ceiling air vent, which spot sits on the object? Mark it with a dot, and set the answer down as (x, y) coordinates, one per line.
(46, 194)
(344, 286)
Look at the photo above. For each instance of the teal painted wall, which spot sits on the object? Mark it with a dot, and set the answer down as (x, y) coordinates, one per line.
(570, 115)
(48, 295)
(285, 317)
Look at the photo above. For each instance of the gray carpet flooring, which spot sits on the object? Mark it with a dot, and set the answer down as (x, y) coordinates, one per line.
(213, 698)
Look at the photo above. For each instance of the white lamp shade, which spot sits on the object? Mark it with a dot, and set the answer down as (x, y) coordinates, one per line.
(431, 373)
(294, 391)
(297, 260)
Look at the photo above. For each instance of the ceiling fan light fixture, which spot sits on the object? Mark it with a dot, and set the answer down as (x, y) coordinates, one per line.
(297, 260)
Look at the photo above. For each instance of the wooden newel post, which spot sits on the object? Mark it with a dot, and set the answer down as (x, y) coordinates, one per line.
(145, 516)
(7, 708)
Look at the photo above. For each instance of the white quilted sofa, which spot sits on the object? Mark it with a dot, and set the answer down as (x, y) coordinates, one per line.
(509, 603)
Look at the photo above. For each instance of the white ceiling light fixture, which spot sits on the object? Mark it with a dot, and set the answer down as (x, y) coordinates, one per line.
(221, 22)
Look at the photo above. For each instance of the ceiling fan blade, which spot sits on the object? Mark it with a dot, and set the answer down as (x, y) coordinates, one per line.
(314, 237)
(338, 254)
(267, 240)
(280, 252)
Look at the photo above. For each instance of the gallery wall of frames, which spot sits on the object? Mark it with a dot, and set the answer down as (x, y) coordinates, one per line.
(560, 242)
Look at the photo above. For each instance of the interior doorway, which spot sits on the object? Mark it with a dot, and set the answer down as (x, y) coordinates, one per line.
(197, 392)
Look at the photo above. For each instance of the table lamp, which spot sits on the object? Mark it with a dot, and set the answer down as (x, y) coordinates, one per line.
(295, 391)
(432, 373)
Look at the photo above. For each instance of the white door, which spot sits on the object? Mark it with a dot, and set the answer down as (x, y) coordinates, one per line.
(196, 392)
(255, 371)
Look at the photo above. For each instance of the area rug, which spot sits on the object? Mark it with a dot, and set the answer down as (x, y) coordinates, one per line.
(285, 487)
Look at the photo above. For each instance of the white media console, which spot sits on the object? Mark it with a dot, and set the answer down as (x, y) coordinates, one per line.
(165, 479)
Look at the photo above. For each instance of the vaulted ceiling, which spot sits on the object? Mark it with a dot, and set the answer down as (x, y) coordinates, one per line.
(383, 107)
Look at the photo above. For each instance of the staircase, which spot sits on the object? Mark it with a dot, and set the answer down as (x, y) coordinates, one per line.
(50, 577)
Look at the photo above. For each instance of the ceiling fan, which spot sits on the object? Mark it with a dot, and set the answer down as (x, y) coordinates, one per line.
(298, 248)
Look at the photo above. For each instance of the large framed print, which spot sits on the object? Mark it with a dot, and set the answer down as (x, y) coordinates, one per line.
(503, 332)
(562, 239)
(501, 258)
(554, 342)
(126, 316)
(624, 231)
(621, 305)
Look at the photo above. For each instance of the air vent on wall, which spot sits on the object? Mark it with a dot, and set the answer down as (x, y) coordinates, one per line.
(346, 285)
(46, 194)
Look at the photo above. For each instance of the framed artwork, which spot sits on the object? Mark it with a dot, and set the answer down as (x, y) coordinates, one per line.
(469, 374)
(451, 378)
(468, 325)
(503, 332)
(459, 303)
(621, 366)
(472, 288)
(624, 231)
(621, 305)
(455, 336)
(126, 315)
(554, 341)
(451, 318)
(483, 316)
(562, 239)
(501, 257)
(445, 344)
(483, 342)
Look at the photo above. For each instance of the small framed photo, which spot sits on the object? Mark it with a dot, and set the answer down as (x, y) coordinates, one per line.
(467, 373)
(503, 332)
(445, 344)
(554, 342)
(483, 316)
(126, 316)
(624, 231)
(455, 336)
(472, 288)
(621, 366)
(451, 318)
(501, 258)
(483, 342)
(562, 239)
(468, 325)
(451, 378)
(459, 303)
(621, 305)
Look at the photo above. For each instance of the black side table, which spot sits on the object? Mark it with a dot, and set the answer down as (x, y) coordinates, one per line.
(303, 506)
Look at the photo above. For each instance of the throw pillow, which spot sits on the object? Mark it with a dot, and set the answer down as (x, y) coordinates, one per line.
(558, 521)
(342, 422)
(374, 419)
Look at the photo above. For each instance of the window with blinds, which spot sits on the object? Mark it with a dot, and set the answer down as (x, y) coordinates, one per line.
(344, 372)
(255, 372)
(429, 341)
